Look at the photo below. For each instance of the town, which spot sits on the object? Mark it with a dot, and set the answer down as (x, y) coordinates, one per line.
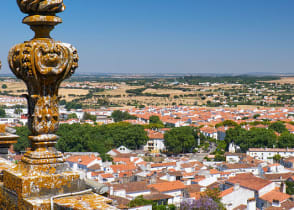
(163, 105)
(171, 157)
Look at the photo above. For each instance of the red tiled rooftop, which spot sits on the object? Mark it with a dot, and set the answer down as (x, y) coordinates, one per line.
(275, 195)
(155, 165)
(249, 181)
(167, 186)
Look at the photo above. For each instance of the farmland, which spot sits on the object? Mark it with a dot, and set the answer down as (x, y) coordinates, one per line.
(190, 91)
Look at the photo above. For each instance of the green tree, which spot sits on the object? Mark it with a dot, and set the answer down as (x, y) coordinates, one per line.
(23, 141)
(103, 102)
(180, 140)
(255, 137)
(261, 137)
(2, 113)
(153, 126)
(219, 157)
(154, 120)
(17, 111)
(73, 105)
(4, 86)
(256, 116)
(72, 116)
(75, 137)
(141, 106)
(236, 134)
(290, 187)
(62, 102)
(84, 137)
(88, 116)
(122, 133)
(215, 195)
(278, 127)
(286, 139)
(119, 116)
(277, 158)
(139, 201)
(155, 206)
(229, 123)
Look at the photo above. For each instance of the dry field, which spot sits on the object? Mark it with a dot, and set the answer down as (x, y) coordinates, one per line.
(19, 88)
(13, 86)
(122, 98)
(164, 91)
(283, 80)
(65, 93)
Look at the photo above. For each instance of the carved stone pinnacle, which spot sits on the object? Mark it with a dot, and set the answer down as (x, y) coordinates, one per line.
(43, 63)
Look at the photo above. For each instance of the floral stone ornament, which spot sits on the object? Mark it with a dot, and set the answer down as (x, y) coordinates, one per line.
(43, 63)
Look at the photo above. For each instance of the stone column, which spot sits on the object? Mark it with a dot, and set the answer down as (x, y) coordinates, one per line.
(42, 180)
(42, 63)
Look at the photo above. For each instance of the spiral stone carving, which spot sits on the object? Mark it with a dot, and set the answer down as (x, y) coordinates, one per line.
(41, 6)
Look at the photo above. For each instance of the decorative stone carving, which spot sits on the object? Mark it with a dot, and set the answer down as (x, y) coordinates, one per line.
(41, 6)
(43, 63)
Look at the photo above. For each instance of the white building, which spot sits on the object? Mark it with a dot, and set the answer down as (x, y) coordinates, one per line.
(119, 150)
(155, 143)
(236, 196)
(267, 154)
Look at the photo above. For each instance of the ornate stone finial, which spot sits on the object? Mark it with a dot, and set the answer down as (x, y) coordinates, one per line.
(41, 17)
(41, 6)
(43, 63)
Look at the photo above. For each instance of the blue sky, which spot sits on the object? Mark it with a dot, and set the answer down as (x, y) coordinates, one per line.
(168, 36)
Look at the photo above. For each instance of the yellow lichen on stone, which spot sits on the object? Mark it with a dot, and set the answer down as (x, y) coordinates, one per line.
(2, 128)
(89, 201)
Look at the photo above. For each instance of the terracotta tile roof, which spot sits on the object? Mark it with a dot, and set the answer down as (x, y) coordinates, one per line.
(123, 167)
(282, 176)
(275, 195)
(214, 171)
(167, 186)
(155, 165)
(82, 159)
(175, 173)
(132, 187)
(189, 174)
(249, 181)
(188, 165)
(122, 202)
(125, 174)
(241, 207)
(284, 206)
(157, 196)
(208, 129)
(193, 188)
(120, 159)
(95, 167)
(154, 134)
(226, 192)
(238, 165)
(96, 173)
(198, 178)
(214, 185)
(105, 176)
(196, 195)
